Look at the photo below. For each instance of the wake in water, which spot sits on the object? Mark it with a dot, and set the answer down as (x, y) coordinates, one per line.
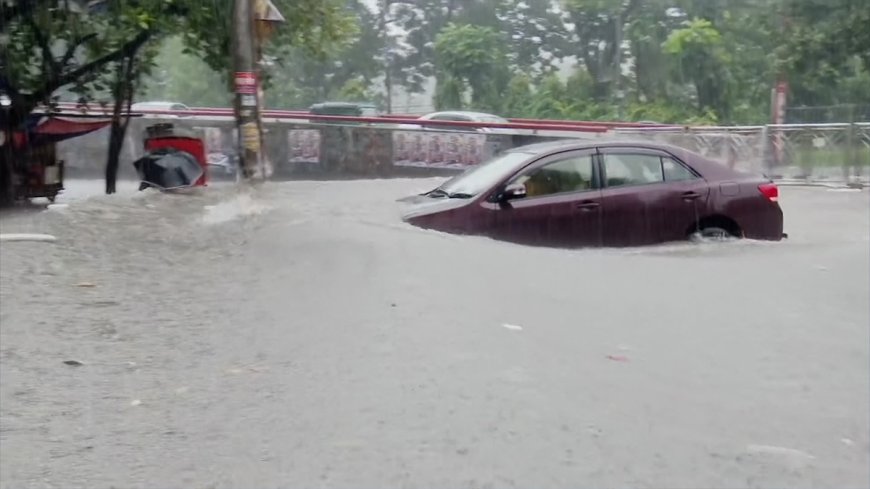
(243, 204)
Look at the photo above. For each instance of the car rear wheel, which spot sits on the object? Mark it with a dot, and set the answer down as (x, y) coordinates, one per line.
(716, 233)
(715, 228)
(712, 234)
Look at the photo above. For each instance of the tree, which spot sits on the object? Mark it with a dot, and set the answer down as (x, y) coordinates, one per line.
(355, 90)
(518, 98)
(473, 57)
(537, 36)
(646, 31)
(599, 34)
(180, 76)
(75, 45)
(48, 48)
(702, 59)
(313, 26)
(87, 47)
(822, 40)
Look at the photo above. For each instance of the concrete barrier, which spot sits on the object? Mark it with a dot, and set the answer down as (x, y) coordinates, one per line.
(313, 151)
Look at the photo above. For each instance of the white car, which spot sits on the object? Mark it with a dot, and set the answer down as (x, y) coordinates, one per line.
(467, 116)
(161, 106)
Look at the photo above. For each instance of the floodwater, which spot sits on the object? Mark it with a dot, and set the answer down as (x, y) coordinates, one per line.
(302, 336)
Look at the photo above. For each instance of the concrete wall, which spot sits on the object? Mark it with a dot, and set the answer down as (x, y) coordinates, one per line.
(311, 151)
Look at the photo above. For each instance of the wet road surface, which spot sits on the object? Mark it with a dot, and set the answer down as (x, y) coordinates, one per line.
(305, 337)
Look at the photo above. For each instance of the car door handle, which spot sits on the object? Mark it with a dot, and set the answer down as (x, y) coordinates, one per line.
(690, 195)
(588, 205)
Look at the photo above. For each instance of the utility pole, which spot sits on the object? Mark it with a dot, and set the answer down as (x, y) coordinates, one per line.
(388, 79)
(246, 88)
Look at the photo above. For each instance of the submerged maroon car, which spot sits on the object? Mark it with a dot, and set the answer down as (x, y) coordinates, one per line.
(588, 193)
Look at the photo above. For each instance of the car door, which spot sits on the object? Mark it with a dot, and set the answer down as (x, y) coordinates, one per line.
(561, 206)
(647, 196)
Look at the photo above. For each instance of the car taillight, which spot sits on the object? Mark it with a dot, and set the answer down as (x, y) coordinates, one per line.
(769, 190)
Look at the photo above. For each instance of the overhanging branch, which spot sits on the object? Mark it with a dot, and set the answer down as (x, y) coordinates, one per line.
(63, 79)
(44, 46)
(71, 50)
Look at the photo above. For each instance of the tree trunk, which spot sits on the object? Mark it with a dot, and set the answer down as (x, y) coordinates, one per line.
(8, 123)
(116, 139)
(7, 188)
(124, 90)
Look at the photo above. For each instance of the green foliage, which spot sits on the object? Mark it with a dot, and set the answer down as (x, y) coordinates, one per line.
(475, 57)
(182, 77)
(518, 99)
(702, 59)
(50, 48)
(313, 26)
(664, 60)
(825, 50)
(355, 90)
(448, 93)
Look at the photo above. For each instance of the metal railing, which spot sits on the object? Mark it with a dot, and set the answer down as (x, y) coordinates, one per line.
(813, 152)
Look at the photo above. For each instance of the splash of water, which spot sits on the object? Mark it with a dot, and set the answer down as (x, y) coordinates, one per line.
(240, 205)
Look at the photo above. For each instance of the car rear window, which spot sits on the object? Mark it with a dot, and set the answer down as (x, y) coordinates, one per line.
(632, 169)
(675, 171)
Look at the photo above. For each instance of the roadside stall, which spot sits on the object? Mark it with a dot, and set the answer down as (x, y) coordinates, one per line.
(36, 171)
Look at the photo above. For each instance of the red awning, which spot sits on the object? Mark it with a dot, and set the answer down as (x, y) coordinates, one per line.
(47, 129)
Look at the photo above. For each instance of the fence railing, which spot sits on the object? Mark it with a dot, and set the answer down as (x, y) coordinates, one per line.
(837, 151)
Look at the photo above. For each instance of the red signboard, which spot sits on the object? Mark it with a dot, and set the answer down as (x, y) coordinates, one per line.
(246, 82)
(779, 102)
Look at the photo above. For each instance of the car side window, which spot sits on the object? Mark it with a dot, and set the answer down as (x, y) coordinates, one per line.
(676, 172)
(632, 169)
(572, 174)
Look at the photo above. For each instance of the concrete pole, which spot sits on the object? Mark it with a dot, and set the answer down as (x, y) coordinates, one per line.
(246, 88)
(388, 78)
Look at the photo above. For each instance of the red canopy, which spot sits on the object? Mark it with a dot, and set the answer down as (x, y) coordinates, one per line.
(51, 128)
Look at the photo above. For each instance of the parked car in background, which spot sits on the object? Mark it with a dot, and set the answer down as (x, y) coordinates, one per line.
(586, 193)
(353, 109)
(466, 116)
(497, 139)
(160, 106)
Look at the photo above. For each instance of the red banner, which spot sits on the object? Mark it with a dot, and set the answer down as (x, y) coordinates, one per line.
(246, 82)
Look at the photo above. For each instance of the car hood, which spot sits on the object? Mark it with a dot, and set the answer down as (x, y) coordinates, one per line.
(421, 205)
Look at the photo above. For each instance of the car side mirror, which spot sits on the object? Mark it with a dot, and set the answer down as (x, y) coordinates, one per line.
(512, 192)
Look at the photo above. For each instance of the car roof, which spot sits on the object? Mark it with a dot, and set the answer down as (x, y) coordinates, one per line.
(343, 104)
(156, 104)
(706, 166)
(466, 113)
(571, 144)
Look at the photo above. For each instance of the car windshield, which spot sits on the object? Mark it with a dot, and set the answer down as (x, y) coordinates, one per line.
(482, 177)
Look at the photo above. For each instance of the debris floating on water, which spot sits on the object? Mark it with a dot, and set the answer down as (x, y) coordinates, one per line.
(617, 358)
(135, 402)
(73, 363)
(512, 327)
(39, 238)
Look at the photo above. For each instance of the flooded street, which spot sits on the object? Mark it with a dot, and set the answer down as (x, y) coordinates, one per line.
(303, 336)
